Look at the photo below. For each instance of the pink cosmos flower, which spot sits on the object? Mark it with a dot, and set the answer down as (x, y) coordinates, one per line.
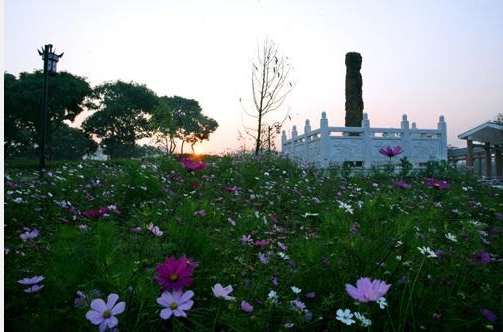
(481, 258)
(223, 292)
(103, 314)
(246, 239)
(489, 315)
(391, 152)
(33, 288)
(200, 213)
(30, 234)
(246, 307)
(193, 165)
(175, 303)
(261, 243)
(31, 281)
(367, 290)
(175, 273)
(96, 213)
(136, 229)
(402, 184)
(437, 184)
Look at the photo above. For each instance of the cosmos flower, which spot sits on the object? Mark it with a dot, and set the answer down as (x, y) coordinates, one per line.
(33, 288)
(175, 303)
(367, 290)
(402, 184)
(364, 321)
(175, 273)
(345, 316)
(222, 292)
(96, 213)
(481, 258)
(437, 184)
(193, 165)
(391, 152)
(246, 307)
(31, 281)
(489, 315)
(103, 314)
(30, 234)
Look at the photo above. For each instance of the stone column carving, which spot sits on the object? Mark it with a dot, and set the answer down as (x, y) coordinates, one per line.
(354, 100)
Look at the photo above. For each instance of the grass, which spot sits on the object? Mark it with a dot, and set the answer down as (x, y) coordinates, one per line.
(322, 229)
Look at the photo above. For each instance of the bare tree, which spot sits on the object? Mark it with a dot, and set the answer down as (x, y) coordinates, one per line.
(270, 87)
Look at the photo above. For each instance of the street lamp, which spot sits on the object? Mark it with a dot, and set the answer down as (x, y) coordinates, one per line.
(50, 67)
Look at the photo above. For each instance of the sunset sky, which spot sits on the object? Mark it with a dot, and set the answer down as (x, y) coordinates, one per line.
(422, 58)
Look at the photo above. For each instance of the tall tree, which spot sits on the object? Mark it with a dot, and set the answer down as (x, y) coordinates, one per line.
(270, 88)
(187, 122)
(164, 125)
(68, 96)
(123, 113)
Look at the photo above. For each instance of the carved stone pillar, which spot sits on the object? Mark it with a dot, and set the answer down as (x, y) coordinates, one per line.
(354, 100)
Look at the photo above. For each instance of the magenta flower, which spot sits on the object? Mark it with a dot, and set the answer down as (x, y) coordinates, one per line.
(104, 314)
(489, 315)
(437, 184)
(402, 184)
(175, 303)
(367, 290)
(391, 152)
(96, 213)
(175, 273)
(200, 213)
(193, 165)
(223, 292)
(246, 307)
(481, 258)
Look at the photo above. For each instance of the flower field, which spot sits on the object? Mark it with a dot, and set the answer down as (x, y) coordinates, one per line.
(250, 244)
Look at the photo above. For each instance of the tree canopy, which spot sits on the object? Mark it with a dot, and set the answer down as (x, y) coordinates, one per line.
(122, 116)
(68, 96)
(180, 118)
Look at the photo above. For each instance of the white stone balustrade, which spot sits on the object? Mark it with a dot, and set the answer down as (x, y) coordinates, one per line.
(335, 145)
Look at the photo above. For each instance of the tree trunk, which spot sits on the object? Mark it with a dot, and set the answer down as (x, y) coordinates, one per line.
(259, 133)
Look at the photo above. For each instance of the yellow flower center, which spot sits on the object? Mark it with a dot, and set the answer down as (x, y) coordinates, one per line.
(173, 277)
(173, 305)
(436, 185)
(106, 314)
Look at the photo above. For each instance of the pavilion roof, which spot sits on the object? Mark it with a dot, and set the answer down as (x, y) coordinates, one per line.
(488, 132)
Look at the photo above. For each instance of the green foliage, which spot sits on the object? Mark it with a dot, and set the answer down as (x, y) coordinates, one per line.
(318, 230)
(67, 97)
(122, 115)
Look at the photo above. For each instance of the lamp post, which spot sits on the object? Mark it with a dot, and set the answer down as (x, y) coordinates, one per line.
(50, 67)
(275, 125)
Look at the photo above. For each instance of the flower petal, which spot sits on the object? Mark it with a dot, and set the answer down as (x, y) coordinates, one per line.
(98, 305)
(112, 322)
(179, 313)
(119, 308)
(186, 296)
(112, 299)
(166, 313)
(94, 316)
